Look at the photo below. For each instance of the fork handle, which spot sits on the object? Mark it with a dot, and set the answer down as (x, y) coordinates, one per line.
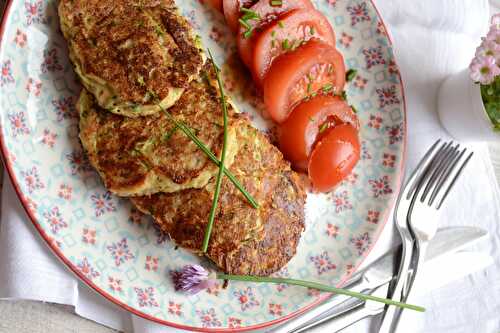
(398, 293)
(420, 253)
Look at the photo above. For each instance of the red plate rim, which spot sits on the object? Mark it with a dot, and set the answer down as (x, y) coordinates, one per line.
(59, 254)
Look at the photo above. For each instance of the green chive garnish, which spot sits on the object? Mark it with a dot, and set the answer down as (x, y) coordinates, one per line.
(285, 44)
(309, 88)
(189, 133)
(245, 24)
(343, 95)
(327, 88)
(276, 2)
(351, 74)
(248, 15)
(220, 175)
(248, 34)
(169, 134)
(318, 286)
(323, 127)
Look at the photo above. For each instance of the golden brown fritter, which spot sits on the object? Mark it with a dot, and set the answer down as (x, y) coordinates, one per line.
(244, 240)
(131, 54)
(137, 156)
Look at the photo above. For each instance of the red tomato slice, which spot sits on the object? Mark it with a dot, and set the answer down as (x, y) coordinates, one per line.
(311, 68)
(287, 33)
(307, 124)
(217, 4)
(334, 157)
(232, 13)
(267, 14)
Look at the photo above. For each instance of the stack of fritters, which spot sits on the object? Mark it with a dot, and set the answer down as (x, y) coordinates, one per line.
(136, 58)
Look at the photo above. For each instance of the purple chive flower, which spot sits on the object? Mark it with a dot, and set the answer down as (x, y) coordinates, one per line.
(484, 69)
(193, 279)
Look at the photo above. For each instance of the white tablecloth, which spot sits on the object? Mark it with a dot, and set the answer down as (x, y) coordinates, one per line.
(433, 38)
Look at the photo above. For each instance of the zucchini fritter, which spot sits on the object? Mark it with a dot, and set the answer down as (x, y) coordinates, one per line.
(145, 155)
(132, 55)
(244, 240)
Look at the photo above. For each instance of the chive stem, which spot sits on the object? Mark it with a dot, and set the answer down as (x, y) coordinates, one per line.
(318, 286)
(189, 133)
(220, 175)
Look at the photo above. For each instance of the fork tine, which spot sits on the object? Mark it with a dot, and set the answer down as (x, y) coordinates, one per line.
(429, 170)
(451, 166)
(421, 168)
(454, 180)
(439, 169)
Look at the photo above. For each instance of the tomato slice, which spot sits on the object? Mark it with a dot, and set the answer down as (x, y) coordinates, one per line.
(267, 14)
(217, 4)
(312, 68)
(334, 157)
(287, 33)
(307, 124)
(232, 10)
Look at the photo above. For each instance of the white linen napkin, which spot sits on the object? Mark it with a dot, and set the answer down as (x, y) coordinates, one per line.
(433, 39)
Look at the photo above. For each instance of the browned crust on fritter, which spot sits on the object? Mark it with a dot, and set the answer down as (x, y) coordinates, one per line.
(99, 30)
(128, 151)
(244, 240)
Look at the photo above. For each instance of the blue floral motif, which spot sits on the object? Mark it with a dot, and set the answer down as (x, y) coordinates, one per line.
(34, 12)
(32, 179)
(103, 203)
(6, 77)
(120, 252)
(362, 243)
(18, 124)
(359, 13)
(323, 263)
(374, 56)
(246, 298)
(55, 220)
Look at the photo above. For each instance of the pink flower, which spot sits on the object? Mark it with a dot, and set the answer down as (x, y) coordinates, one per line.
(488, 48)
(493, 35)
(484, 69)
(495, 20)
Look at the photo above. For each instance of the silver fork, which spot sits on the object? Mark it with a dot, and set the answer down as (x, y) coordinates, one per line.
(433, 189)
(403, 205)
